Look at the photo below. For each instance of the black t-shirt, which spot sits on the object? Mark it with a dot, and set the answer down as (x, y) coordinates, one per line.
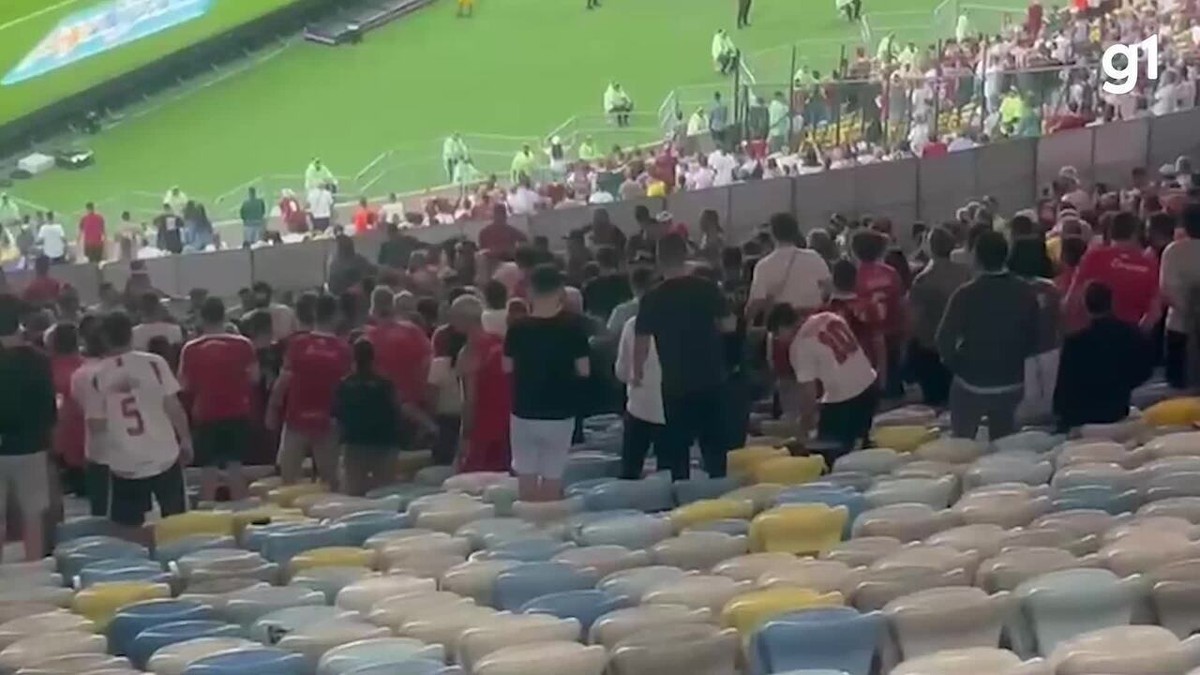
(602, 294)
(682, 315)
(544, 351)
(28, 407)
(365, 409)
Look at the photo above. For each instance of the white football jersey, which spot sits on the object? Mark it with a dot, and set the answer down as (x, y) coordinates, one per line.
(84, 395)
(128, 392)
(825, 349)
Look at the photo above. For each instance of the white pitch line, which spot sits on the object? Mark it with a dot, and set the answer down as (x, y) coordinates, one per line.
(34, 15)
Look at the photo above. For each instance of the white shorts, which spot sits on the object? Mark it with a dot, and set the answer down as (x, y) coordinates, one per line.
(540, 447)
(27, 477)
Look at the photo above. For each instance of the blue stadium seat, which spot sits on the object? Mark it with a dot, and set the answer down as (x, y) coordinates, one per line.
(517, 586)
(840, 639)
(584, 606)
(155, 638)
(131, 620)
(251, 662)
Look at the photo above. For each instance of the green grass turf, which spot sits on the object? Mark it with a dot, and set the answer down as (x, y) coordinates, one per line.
(23, 23)
(517, 68)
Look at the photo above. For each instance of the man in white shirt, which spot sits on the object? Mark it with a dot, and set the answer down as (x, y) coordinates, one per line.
(523, 200)
(824, 349)
(320, 207)
(53, 239)
(702, 176)
(393, 211)
(133, 402)
(644, 414)
(155, 325)
(723, 165)
(789, 275)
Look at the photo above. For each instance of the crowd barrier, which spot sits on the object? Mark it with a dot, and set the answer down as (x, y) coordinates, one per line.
(929, 190)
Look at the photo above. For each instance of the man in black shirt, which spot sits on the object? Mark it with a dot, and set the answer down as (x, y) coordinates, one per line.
(397, 248)
(687, 317)
(28, 412)
(168, 228)
(611, 288)
(364, 406)
(643, 245)
(547, 354)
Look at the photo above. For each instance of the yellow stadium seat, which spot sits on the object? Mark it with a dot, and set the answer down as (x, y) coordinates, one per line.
(332, 556)
(798, 528)
(705, 510)
(263, 486)
(748, 611)
(762, 495)
(193, 523)
(742, 462)
(287, 495)
(902, 438)
(100, 602)
(1182, 411)
(789, 470)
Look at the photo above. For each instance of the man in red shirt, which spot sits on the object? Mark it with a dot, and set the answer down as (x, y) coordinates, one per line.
(313, 367)
(880, 285)
(1069, 120)
(43, 289)
(860, 314)
(92, 235)
(499, 237)
(1123, 267)
(364, 217)
(219, 370)
(936, 147)
(403, 352)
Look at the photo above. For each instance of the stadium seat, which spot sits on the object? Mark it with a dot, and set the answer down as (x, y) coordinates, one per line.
(877, 587)
(363, 525)
(1181, 411)
(789, 470)
(31, 650)
(1126, 649)
(585, 606)
(397, 610)
(873, 461)
(518, 585)
(544, 658)
(55, 621)
(938, 619)
(474, 483)
(741, 462)
(633, 532)
(636, 583)
(936, 492)
(686, 648)
(362, 594)
(862, 550)
(248, 606)
(280, 546)
(648, 494)
(1063, 604)
(331, 556)
(129, 621)
(100, 603)
(539, 549)
(1100, 497)
(748, 611)
(475, 579)
(383, 651)
(193, 523)
(175, 658)
(270, 628)
(696, 489)
(698, 591)
(704, 510)
(837, 638)
(314, 640)
(698, 551)
(800, 529)
(180, 547)
(154, 638)
(491, 531)
(250, 662)
(445, 627)
(330, 580)
(103, 664)
(950, 450)
(604, 560)
(902, 438)
(616, 626)
(1002, 468)
(906, 522)
(980, 660)
(752, 566)
(477, 643)
(544, 513)
(122, 569)
(411, 667)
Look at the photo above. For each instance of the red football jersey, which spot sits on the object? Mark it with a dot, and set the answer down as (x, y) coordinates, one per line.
(880, 285)
(402, 354)
(1132, 276)
(215, 370)
(864, 320)
(317, 362)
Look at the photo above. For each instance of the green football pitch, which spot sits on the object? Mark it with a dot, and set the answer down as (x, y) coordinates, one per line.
(376, 112)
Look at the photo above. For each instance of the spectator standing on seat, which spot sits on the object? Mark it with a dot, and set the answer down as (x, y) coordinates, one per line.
(686, 315)
(366, 410)
(254, 218)
(547, 355)
(1027, 260)
(52, 239)
(487, 392)
(927, 301)
(789, 274)
(1101, 365)
(644, 416)
(1179, 279)
(320, 207)
(314, 365)
(27, 419)
(988, 330)
(133, 401)
(219, 370)
(92, 235)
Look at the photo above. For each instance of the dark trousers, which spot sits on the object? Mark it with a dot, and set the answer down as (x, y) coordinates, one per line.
(445, 448)
(96, 482)
(693, 416)
(743, 15)
(930, 374)
(1175, 359)
(969, 408)
(846, 423)
(736, 411)
(639, 436)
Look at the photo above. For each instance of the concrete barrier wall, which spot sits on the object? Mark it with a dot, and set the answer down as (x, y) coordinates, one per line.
(915, 189)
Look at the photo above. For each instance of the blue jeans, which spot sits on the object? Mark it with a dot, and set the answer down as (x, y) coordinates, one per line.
(252, 232)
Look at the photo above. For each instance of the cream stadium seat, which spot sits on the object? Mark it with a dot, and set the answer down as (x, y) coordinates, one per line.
(1126, 650)
(475, 578)
(1144, 550)
(1010, 568)
(398, 552)
(985, 539)
(906, 522)
(616, 626)
(508, 630)
(331, 580)
(34, 649)
(432, 565)
(56, 621)
(545, 658)
(380, 541)
(174, 659)
(936, 492)
(698, 550)
(474, 483)
(1175, 596)
(938, 619)
(976, 660)
(384, 651)
(543, 513)
(819, 575)
(874, 461)
(449, 517)
(951, 450)
(446, 625)
(862, 550)
(930, 556)
(247, 606)
(1098, 452)
(363, 594)
(762, 495)
(928, 468)
(314, 640)
(491, 531)
(397, 610)
(637, 582)
(1187, 508)
(876, 588)
(752, 566)
(603, 559)
(1080, 521)
(697, 649)
(698, 591)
